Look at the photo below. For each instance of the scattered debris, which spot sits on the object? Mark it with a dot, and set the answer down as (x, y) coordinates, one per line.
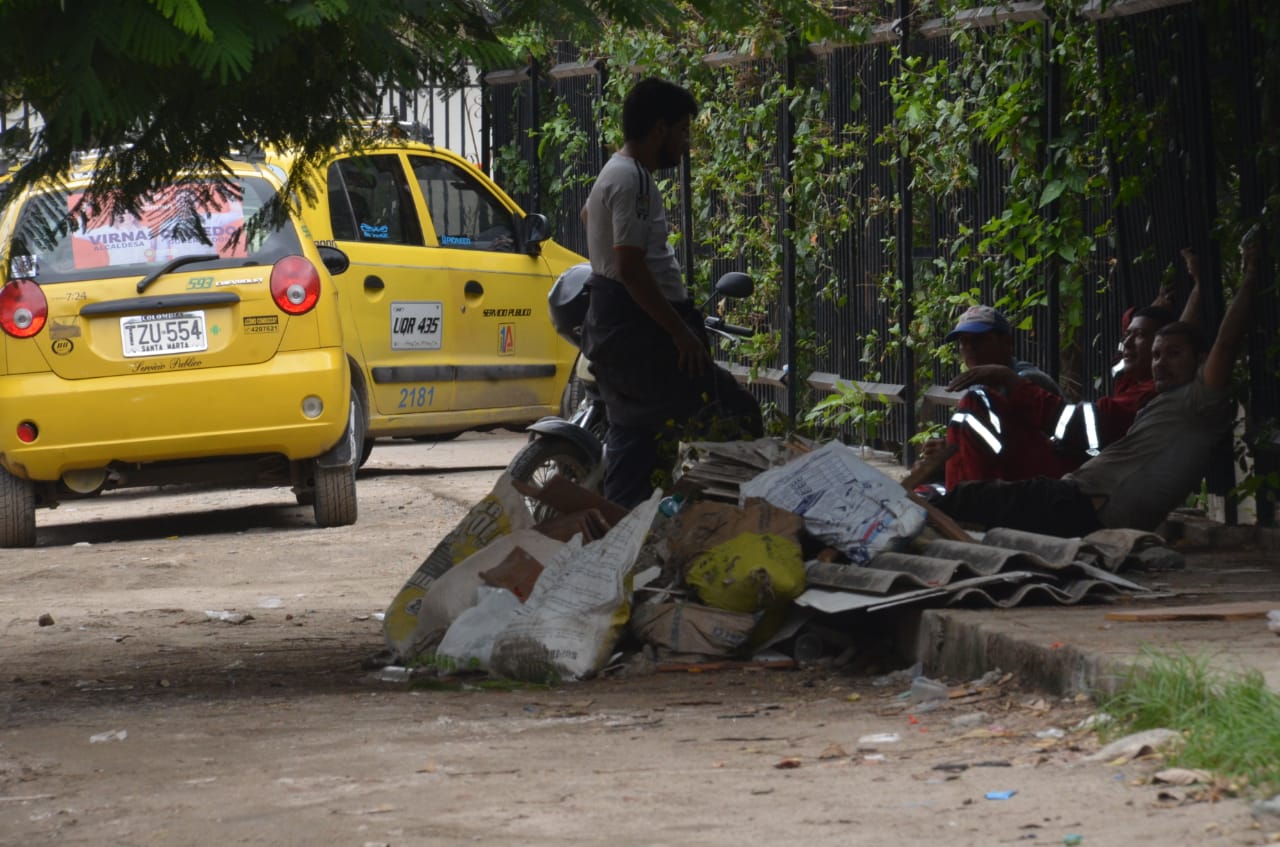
(1001, 795)
(227, 616)
(112, 735)
(45, 619)
(1181, 776)
(880, 738)
(1139, 744)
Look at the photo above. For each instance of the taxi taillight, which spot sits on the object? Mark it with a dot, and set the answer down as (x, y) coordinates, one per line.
(23, 308)
(295, 285)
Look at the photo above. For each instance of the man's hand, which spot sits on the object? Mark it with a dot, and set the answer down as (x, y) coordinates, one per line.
(1251, 252)
(1192, 261)
(692, 356)
(1001, 376)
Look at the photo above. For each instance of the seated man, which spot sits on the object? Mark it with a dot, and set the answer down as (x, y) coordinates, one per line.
(1138, 479)
(1080, 430)
(989, 441)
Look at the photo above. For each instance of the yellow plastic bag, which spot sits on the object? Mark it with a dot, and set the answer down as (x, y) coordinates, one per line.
(752, 572)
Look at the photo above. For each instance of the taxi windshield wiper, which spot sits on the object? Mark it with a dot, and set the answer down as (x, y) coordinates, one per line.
(173, 266)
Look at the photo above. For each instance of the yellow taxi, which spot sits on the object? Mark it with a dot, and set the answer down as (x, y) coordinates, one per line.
(194, 338)
(444, 304)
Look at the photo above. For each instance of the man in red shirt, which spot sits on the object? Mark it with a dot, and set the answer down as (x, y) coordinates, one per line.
(1080, 430)
(989, 439)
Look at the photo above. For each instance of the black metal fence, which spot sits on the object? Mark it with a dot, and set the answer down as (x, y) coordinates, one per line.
(1163, 43)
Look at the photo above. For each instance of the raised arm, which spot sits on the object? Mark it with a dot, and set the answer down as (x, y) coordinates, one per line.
(1235, 323)
(1191, 310)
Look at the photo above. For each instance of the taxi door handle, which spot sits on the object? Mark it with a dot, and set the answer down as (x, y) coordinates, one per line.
(373, 283)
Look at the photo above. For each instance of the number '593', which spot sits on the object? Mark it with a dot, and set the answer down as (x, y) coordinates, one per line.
(417, 398)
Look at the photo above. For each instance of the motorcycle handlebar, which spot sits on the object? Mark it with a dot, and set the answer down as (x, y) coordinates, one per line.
(719, 325)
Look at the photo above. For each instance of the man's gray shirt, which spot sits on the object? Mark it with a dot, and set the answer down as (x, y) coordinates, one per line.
(1162, 458)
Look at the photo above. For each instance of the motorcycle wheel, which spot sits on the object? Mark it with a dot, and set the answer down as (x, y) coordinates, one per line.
(575, 390)
(543, 458)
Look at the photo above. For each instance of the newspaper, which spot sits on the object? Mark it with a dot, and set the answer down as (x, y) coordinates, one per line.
(844, 501)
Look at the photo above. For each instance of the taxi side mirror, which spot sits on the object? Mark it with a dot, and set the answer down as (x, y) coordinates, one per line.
(537, 229)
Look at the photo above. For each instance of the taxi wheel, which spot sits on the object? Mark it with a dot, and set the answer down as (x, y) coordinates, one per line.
(335, 496)
(17, 511)
(363, 442)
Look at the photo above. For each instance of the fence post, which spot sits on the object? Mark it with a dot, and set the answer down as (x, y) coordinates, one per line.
(788, 230)
(906, 260)
(535, 122)
(1053, 265)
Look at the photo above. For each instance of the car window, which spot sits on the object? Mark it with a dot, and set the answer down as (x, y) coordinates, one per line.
(369, 200)
(464, 213)
(59, 238)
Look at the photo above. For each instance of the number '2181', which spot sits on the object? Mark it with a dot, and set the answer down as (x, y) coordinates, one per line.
(417, 398)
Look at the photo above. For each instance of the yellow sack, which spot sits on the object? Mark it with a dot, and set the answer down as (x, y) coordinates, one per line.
(752, 572)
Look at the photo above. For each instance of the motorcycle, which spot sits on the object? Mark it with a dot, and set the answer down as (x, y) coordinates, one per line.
(572, 444)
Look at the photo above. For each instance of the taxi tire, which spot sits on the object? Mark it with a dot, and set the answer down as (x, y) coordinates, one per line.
(17, 511)
(335, 496)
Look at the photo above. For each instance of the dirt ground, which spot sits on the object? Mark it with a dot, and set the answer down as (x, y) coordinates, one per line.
(142, 714)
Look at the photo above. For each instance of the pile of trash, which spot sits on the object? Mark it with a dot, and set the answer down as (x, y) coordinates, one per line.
(755, 540)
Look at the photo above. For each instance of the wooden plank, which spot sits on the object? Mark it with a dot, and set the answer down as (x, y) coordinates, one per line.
(885, 392)
(777, 377)
(942, 523)
(1248, 610)
(939, 396)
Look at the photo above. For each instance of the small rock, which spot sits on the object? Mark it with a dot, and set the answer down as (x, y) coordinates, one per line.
(1270, 807)
(45, 620)
(970, 720)
(227, 616)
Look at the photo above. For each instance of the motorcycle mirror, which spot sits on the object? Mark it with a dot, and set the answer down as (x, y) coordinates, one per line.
(735, 284)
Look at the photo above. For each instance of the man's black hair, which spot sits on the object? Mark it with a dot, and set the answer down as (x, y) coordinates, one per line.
(1192, 333)
(1159, 314)
(651, 100)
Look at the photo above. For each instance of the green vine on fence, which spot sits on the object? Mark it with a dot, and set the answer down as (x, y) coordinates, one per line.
(968, 114)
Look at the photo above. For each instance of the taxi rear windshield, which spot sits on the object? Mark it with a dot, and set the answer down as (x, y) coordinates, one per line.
(60, 238)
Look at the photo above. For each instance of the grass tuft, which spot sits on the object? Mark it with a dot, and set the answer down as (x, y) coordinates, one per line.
(1231, 722)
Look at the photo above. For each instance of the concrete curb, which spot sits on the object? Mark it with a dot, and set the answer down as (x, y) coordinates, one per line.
(1192, 530)
(959, 644)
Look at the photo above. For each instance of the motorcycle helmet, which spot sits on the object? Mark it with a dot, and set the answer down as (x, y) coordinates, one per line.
(567, 301)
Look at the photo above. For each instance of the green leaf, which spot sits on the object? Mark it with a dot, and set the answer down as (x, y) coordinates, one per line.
(1052, 191)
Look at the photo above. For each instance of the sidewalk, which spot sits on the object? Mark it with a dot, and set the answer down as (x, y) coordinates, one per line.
(1071, 649)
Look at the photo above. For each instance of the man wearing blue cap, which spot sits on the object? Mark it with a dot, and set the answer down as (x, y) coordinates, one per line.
(990, 440)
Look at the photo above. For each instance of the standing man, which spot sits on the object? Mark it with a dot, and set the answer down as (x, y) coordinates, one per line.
(643, 335)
